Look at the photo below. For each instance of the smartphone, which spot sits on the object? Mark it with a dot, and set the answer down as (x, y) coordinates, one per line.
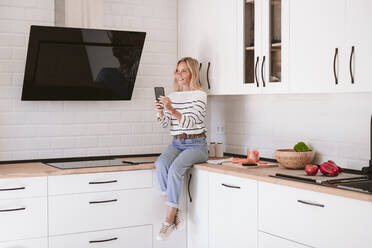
(159, 91)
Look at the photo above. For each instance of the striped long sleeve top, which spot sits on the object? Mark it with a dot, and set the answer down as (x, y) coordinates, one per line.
(193, 107)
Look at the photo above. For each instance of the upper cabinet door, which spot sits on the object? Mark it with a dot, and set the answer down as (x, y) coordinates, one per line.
(358, 46)
(248, 46)
(222, 44)
(275, 46)
(317, 30)
(207, 32)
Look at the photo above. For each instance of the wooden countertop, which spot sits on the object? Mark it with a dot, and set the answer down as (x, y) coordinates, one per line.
(260, 174)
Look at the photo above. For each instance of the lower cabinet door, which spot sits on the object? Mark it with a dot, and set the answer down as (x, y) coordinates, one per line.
(232, 212)
(98, 211)
(269, 241)
(197, 207)
(27, 243)
(132, 237)
(23, 218)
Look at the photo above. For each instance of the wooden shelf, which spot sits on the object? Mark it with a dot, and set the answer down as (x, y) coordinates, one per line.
(249, 1)
(279, 44)
(250, 48)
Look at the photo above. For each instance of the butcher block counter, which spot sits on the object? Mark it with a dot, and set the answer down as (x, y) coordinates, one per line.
(260, 174)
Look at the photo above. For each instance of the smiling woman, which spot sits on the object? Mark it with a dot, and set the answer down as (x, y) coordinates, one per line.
(184, 111)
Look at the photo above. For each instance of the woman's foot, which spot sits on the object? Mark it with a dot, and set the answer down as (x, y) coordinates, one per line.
(179, 220)
(165, 231)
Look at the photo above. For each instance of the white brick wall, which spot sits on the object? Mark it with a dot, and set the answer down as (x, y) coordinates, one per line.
(335, 125)
(31, 130)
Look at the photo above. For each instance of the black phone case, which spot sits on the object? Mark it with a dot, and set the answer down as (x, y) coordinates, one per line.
(159, 91)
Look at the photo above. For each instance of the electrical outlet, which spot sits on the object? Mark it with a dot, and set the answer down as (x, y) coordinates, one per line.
(220, 129)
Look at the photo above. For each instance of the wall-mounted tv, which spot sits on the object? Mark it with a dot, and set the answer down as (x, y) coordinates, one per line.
(81, 64)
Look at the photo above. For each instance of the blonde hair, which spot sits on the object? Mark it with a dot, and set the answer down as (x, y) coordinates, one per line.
(193, 66)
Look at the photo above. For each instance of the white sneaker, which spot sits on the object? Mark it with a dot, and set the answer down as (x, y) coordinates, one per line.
(179, 220)
(165, 231)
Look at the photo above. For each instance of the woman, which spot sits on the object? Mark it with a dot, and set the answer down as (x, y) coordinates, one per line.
(184, 111)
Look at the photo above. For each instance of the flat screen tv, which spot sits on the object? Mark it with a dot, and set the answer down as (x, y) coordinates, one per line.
(81, 64)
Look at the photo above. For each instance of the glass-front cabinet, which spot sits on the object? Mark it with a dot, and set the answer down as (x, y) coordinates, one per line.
(264, 45)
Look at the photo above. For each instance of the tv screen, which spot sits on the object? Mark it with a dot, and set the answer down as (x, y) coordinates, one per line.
(81, 64)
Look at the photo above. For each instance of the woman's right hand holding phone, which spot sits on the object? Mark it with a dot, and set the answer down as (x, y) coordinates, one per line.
(158, 106)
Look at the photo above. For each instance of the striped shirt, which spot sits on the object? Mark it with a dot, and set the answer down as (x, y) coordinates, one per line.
(193, 107)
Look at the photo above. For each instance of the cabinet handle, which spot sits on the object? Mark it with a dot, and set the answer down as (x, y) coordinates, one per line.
(12, 209)
(102, 182)
(102, 240)
(200, 66)
(230, 186)
(188, 187)
(262, 72)
(255, 71)
(209, 65)
(311, 203)
(334, 66)
(351, 64)
(95, 202)
(9, 189)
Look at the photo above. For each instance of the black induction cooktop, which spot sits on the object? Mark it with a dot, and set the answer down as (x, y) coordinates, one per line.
(87, 164)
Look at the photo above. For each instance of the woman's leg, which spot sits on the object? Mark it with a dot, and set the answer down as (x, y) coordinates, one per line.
(176, 173)
(162, 165)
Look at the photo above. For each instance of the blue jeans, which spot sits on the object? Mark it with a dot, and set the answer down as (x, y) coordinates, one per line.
(173, 163)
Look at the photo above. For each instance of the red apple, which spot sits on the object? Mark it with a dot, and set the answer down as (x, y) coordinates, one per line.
(311, 169)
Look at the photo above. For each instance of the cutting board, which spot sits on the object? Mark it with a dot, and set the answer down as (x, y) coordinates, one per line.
(319, 177)
(268, 165)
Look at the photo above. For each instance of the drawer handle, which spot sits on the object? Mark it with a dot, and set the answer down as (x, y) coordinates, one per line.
(102, 240)
(95, 202)
(230, 186)
(311, 203)
(112, 181)
(20, 188)
(12, 209)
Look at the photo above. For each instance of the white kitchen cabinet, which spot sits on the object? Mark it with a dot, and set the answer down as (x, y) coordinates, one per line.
(96, 211)
(269, 241)
(263, 46)
(207, 32)
(23, 209)
(27, 243)
(358, 35)
(312, 218)
(133, 237)
(232, 211)
(317, 34)
(198, 209)
(98, 182)
(11, 188)
(23, 218)
(94, 203)
(330, 46)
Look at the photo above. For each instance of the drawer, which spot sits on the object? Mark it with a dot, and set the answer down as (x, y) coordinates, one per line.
(23, 187)
(313, 218)
(269, 241)
(27, 243)
(96, 211)
(23, 218)
(133, 237)
(95, 182)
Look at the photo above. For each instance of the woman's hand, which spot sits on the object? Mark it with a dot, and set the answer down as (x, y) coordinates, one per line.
(158, 106)
(166, 102)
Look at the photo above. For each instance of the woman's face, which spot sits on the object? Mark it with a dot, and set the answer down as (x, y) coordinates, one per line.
(183, 74)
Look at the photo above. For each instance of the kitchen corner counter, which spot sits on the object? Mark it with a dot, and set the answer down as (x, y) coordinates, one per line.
(259, 174)
(263, 174)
